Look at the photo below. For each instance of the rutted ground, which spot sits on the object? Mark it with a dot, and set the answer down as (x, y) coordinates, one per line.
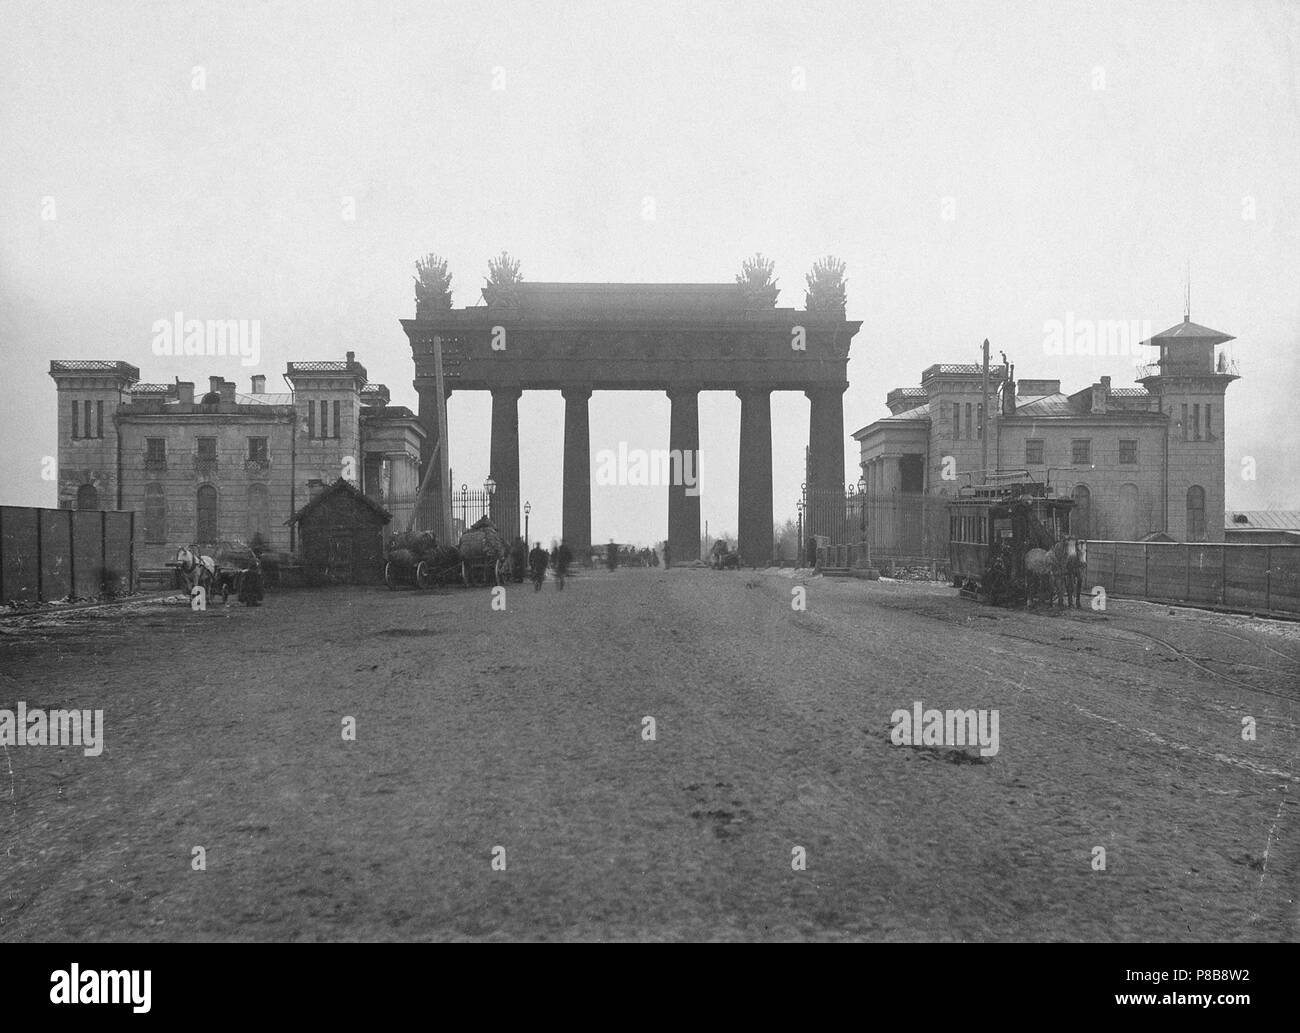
(523, 729)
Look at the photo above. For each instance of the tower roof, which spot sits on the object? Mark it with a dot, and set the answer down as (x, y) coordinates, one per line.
(1189, 331)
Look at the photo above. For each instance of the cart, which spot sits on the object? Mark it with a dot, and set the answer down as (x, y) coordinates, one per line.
(484, 558)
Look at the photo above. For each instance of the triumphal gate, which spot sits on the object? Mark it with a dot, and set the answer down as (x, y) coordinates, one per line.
(577, 338)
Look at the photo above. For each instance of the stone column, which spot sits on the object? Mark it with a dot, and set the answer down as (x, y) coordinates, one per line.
(505, 461)
(429, 516)
(755, 517)
(577, 472)
(826, 440)
(683, 508)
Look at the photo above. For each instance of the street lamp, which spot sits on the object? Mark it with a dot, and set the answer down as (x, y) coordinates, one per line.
(800, 507)
(528, 508)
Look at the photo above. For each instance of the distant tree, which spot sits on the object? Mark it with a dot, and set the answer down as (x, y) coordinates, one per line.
(787, 540)
(825, 295)
(756, 283)
(503, 279)
(432, 284)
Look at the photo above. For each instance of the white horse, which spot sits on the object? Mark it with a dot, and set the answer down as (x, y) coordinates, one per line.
(196, 568)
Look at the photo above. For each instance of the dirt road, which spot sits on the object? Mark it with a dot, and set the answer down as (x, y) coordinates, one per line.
(525, 730)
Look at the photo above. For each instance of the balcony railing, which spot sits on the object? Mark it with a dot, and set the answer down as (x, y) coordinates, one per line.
(205, 465)
(261, 465)
(153, 461)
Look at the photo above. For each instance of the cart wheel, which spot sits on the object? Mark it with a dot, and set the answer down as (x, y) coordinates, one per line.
(422, 579)
(388, 577)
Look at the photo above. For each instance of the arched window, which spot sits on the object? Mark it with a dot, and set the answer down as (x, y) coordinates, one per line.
(155, 513)
(1128, 512)
(87, 497)
(1081, 518)
(259, 511)
(1196, 513)
(207, 514)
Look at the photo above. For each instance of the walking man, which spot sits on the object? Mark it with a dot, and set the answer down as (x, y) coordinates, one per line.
(537, 560)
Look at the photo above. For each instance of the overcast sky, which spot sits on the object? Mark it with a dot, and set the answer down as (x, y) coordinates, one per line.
(1088, 152)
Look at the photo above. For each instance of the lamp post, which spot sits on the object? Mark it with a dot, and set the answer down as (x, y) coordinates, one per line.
(798, 560)
(489, 488)
(528, 508)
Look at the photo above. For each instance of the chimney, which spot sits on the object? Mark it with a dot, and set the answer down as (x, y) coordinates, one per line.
(259, 384)
(227, 389)
(214, 385)
(1101, 395)
(1008, 397)
(185, 392)
(352, 357)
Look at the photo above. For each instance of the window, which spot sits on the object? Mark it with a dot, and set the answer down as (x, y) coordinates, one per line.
(1184, 421)
(155, 513)
(87, 425)
(311, 419)
(956, 420)
(155, 454)
(206, 514)
(205, 459)
(76, 411)
(1034, 452)
(1196, 422)
(1128, 453)
(337, 406)
(968, 420)
(87, 496)
(1081, 452)
(99, 419)
(257, 450)
(1208, 435)
(1196, 513)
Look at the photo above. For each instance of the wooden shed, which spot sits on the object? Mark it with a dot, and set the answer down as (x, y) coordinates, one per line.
(341, 536)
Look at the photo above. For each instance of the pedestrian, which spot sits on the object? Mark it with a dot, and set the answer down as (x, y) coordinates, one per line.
(537, 560)
(563, 557)
(250, 582)
(611, 555)
(667, 556)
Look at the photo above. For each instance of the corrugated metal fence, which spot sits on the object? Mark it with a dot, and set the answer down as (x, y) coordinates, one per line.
(52, 554)
(1239, 577)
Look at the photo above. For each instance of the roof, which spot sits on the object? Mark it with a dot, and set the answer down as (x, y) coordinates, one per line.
(1262, 520)
(718, 297)
(1189, 331)
(921, 412)
(348, 488)
(1048, 405)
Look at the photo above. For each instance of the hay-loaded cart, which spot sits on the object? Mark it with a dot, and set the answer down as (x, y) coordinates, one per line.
(484, 558)
(416, 558)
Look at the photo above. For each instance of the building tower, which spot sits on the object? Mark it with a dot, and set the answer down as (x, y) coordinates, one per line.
(90, 392)
(1189, 381)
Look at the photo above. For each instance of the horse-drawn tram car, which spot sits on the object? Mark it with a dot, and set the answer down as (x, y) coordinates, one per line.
(1009, 539)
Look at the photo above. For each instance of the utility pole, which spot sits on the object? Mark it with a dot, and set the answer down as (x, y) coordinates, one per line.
(984, 422)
